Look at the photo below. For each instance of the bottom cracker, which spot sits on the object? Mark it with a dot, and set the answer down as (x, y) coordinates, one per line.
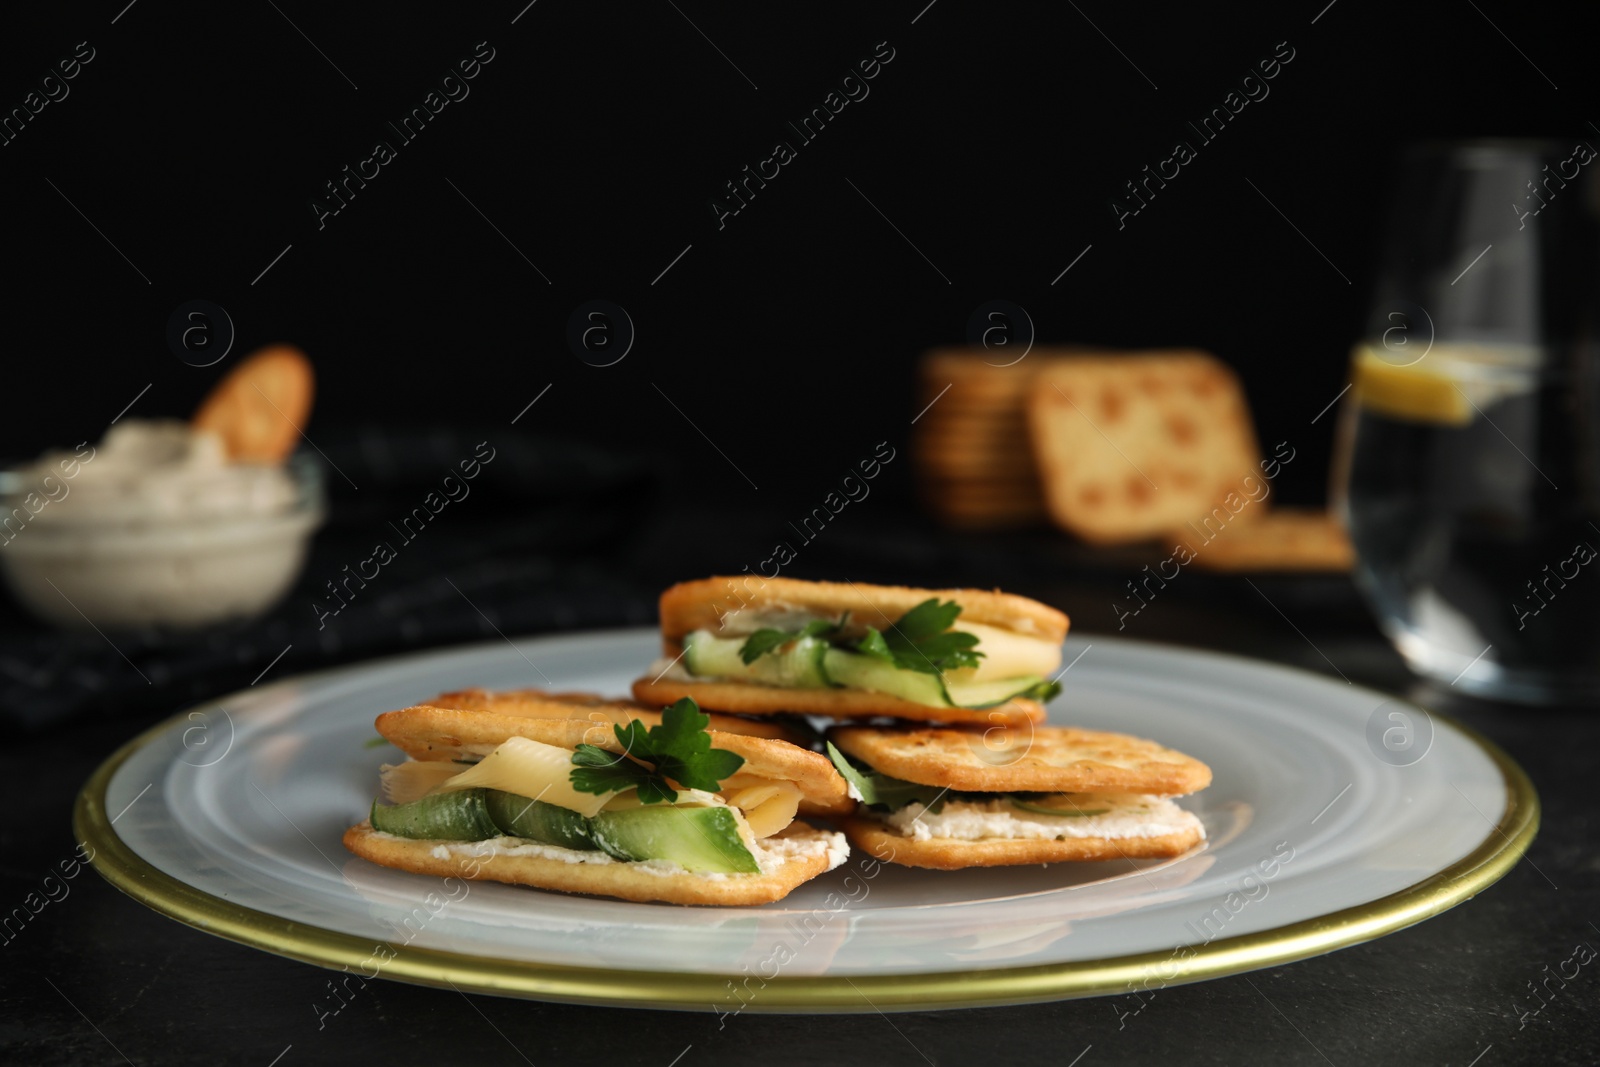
(947, 854)
(621, 880)
(744, 698)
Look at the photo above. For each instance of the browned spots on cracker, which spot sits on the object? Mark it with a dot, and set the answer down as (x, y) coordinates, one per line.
(1184, 480)
(1151, 384)
(1092, 496)
(1182, 429)
(1205, 385)
(1138, 490)
(1112, 403)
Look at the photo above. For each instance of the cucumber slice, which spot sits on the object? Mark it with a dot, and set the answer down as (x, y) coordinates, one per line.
(459, 816)
(696, 839)
(1044, 807)
(796, 665)
(548, 824)
(988, 694)
(856, 671)
(871, 673)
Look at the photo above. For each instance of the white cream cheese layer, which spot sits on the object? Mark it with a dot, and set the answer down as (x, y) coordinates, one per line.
(1128, 816)
(769, 854)
(741, 622)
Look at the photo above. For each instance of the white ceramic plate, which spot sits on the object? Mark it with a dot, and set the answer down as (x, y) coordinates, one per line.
(1336, 815)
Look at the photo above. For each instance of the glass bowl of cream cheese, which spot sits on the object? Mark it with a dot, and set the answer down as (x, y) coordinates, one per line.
(155, 527)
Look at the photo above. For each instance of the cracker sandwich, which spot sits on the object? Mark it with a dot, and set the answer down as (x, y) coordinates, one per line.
(953, 798)
(609, 800)
(754, 646)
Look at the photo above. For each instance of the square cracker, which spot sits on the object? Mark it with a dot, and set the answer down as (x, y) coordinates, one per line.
(538, 704)
(746, 698)
(1284, 539)
(601, 877)
(1134, 445)
(945, 854)
(1042, 759)
(425, 732)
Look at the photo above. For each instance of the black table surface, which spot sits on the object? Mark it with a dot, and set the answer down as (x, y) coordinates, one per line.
(95, 977)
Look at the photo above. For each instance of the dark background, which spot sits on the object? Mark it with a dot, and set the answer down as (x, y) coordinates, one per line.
(593, 142)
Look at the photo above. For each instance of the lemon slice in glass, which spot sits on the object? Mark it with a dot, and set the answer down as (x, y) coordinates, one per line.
(1446, 387)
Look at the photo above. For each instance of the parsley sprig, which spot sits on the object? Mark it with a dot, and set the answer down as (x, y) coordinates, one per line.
(761, 642)
(677, 750)
(881, 791)
(922, 640)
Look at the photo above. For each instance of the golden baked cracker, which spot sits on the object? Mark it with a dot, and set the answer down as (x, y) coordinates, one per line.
(608, 879)
(1044, 759)
(702, 604)
(948, 854)
(939, 458)
(260, 407)
(1282, 539)
(1004, 434)
(428, 733)
(747, 699)
(536, 704)
(1132, 446)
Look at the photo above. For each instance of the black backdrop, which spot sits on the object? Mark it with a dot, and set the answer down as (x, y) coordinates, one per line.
(594, 142)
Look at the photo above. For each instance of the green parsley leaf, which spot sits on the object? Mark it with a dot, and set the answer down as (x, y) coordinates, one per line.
(597, 771)
(677, 750)
(375, 742)
(881, 791)
(922, 640)
(874, 645)
(761, 642)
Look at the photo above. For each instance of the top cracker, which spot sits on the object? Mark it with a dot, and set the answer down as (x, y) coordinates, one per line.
(1045, 759)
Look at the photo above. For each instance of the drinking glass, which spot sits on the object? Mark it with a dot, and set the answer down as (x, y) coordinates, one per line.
(1469, 452)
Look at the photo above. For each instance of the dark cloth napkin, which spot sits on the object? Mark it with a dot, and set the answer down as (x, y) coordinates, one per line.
(530, 547)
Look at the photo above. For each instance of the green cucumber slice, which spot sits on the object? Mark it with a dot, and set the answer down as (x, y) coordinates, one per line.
(458, 816)
(548, 824)
(796, 665)
(988, 694)
(696, 839)
(856, 671)
(1043, 809)
(872, 673)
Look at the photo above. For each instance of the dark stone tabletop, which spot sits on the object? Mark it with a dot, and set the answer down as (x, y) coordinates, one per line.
(95, 977)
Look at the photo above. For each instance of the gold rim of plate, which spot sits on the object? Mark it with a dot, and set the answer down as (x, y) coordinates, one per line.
(1480, 868)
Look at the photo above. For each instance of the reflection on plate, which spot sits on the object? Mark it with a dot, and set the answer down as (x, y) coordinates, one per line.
(1319, 837)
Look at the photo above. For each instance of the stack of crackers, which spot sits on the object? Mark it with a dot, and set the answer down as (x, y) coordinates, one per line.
(1113, 448)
